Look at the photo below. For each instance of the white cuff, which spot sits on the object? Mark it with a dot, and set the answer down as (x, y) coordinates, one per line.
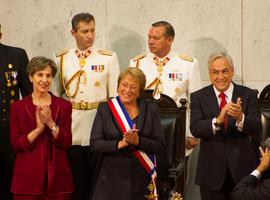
(257, 174)
(240, 125)
(215, 127)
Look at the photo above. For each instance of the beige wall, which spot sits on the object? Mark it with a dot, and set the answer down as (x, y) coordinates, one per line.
(240, 27)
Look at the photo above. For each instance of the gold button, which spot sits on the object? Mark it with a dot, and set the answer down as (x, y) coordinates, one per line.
(3, 91)
(4, 119)
(4, 110)
(4, 101)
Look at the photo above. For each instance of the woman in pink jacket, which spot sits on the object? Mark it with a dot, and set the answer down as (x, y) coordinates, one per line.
(40, 130)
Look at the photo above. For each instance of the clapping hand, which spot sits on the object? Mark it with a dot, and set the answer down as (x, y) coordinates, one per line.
(235, 110)
(131, 136)
(47, 115)
(265, 160)
(39, 119)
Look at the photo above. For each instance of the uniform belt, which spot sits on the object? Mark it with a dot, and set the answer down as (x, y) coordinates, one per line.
(84, 105)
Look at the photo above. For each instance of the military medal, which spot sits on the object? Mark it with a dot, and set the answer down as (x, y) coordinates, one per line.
(151, 195)
(14, 75)
(12, 92)
(160, 69)
(82, 57)
(8, 79)
(82, 62)
(8, 83)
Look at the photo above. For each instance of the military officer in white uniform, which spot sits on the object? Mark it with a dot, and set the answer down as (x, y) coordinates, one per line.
(87, 76)
(168, 72)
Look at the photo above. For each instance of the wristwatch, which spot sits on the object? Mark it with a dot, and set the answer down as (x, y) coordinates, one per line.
(54, 128)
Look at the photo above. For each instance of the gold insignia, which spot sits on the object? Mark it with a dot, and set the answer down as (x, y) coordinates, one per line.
(138, 57)
(14, 82)
(177, 90)
(97, 84)
(82, 62)
(9, 66)
(63, 52)
(160, 69)
(186, 57)
(105, 52)
(12, 92)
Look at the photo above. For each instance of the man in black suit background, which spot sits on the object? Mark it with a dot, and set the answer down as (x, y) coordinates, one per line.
(13, 81)
(223, 115)
(250, 187)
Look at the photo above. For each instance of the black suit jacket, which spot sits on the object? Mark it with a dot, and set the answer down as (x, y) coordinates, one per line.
(13, 80)
(228, 148)
(249, 189)
(121, 175)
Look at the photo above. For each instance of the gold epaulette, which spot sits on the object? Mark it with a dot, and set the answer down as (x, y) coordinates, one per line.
(105, 52)
(63, 52)
(186, 57)
(138, 57)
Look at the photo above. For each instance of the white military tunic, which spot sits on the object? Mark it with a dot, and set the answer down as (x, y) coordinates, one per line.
(180, 77)
(97, 83)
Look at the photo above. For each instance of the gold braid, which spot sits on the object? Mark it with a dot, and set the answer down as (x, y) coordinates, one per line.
(65, 87)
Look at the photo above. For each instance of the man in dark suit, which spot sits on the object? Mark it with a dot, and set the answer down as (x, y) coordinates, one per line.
(250, 188)
(13, 79)
(223, 115)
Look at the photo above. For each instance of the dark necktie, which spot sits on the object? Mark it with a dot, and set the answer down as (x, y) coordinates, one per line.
(223, 102)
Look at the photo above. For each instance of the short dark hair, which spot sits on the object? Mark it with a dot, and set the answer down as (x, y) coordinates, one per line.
(169, 30)
(39, 63)
(81, 17)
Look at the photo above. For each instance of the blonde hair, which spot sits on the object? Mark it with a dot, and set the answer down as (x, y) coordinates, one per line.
(135, 73)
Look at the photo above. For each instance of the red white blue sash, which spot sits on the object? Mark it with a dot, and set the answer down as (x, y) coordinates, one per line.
(148, 161)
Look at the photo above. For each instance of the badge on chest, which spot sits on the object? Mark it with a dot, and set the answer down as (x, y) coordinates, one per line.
(175, 76)
(97, 68)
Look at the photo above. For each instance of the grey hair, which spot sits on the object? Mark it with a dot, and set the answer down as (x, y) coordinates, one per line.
(218, 55)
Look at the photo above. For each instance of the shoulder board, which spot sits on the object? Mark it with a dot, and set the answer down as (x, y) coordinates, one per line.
(61, 53)
(185, 57)
(105, 52)
(138, 57)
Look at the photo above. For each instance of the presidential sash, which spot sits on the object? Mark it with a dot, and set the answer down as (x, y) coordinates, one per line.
(148, 161)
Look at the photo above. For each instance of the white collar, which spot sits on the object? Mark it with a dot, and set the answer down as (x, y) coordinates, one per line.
(228, 92)
(169, 55)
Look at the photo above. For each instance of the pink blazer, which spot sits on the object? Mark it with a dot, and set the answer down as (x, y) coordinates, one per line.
(42, 166)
